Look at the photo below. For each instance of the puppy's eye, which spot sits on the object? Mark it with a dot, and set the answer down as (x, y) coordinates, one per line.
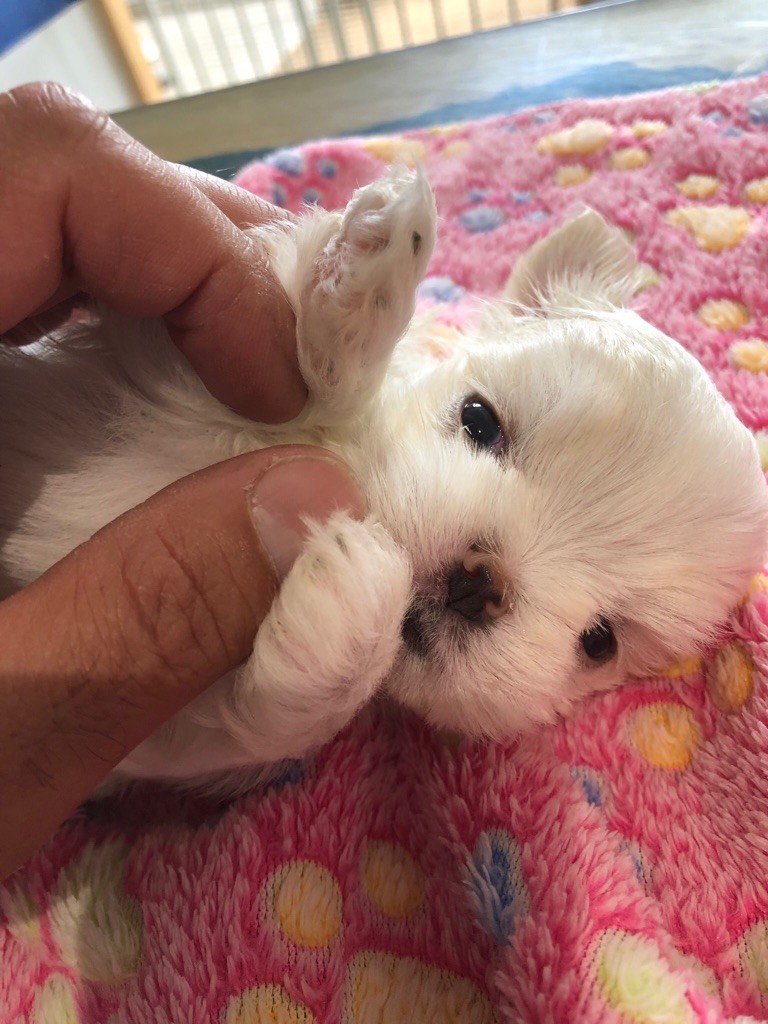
(481, 423)
(599, 643)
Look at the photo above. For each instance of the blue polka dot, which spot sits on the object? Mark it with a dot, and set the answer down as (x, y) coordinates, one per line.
(279, 195)
(289, 161)
(542, 117)
(476, 195)
(327, 168)
(496, 884)
(290, 773)
(715, 116)
(641, 868)
(591, 783)
(520, 198)
(482, 218)
(757, 108)
(441, 289)
(312, 197)
(732, 133)
(537, 215)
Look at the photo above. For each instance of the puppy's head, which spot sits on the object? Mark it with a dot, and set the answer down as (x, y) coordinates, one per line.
(579, 502)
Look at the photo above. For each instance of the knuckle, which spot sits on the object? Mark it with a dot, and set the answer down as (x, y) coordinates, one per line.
(57, 109)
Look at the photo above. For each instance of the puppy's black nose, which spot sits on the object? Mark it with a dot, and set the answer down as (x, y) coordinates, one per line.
(474, 589)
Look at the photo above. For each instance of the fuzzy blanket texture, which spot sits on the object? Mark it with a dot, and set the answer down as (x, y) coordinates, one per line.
(612, 869)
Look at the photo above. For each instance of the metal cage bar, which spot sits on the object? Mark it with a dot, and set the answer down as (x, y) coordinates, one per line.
(168, 56)
(200, 68)
(308, 36)
(250, 42)
(370, 25)
(194, 40)
(337, 29)
(404, 22)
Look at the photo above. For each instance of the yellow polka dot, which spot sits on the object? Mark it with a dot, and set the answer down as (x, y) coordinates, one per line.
(680, 669)
(394, 149)
(646, 129)
(646, 277)
(457, 148)
(756, 190)
(267, 1004)
(757, 585)
(445, 129)
(307, 903)
(638, 982)
(56, 1002)
(753, 954)
(571, 174)
(631, 158)
(96, 925)
(390, 989)
(713, 228)
(761, 439)
(730, 678)
(750, 354)
(21, 914)
(698, 186)
(392, 879)
(665, 734)
(584, 137)
(705, 976)
(724, 314)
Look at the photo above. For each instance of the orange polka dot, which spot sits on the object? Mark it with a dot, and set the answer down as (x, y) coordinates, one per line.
(665, 734)
(730, 678)
(392, 879)
(699, 186)
(750, 354)
(632, 158)
(680, 669)
(647, 129)
(724, 314)
(714, 228)
(572, 174)
(756, 191)
(585, 137)
(307, 903)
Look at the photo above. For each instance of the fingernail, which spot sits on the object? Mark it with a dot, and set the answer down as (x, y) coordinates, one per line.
(292, 491)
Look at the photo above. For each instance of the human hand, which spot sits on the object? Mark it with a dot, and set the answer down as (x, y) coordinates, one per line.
(85, 208)
(118, 636)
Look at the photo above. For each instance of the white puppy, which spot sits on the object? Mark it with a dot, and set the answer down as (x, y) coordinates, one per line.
(564, 501)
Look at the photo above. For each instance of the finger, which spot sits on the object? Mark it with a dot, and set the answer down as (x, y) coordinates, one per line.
(243, 208)
(51, 317)
(80, 199)
(140, 620)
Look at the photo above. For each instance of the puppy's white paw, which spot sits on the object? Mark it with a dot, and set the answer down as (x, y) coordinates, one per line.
(328, 641)
(360, 292)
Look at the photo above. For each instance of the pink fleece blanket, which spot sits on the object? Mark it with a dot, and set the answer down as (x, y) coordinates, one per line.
(612, 869)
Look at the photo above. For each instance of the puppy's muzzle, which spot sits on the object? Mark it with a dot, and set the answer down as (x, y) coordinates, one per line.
(477, 587)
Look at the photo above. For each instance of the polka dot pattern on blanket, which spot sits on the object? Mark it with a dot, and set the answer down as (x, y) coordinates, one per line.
(610, 870)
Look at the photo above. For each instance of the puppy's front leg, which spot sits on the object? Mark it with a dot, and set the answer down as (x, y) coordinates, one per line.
(328, 641)
(352, 280)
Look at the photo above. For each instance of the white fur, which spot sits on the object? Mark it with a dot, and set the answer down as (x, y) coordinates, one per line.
(629, 491)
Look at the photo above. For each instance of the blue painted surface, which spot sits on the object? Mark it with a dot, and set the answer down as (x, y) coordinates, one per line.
(20, 17)
(620, 78)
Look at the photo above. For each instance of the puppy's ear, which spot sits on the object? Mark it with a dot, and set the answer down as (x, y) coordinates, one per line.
(586, 263)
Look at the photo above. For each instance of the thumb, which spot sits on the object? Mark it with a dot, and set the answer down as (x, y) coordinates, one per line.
(136, 622)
